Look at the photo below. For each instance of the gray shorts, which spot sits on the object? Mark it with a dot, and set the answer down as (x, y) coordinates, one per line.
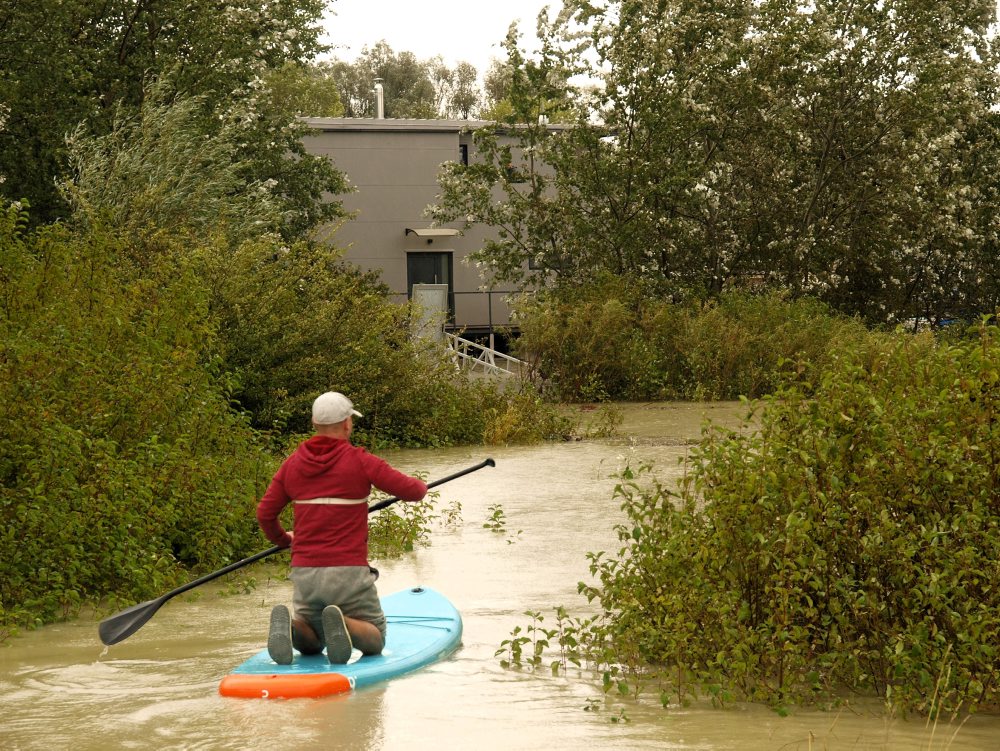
(351, 588)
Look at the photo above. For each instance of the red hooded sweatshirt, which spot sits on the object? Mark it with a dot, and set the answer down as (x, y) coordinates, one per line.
(334, 531)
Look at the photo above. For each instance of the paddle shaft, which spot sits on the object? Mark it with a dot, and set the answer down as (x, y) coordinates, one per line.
(119, 627)
(389, 501)
(223, 571)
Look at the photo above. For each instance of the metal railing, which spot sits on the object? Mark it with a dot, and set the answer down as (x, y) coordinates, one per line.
(478, 358)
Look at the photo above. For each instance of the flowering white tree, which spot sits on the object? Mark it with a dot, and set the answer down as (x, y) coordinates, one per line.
(845, 150)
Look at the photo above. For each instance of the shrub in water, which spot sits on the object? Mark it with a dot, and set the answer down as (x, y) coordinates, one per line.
(614, 341)
(119, 457)
(849, 540)
(294, 321)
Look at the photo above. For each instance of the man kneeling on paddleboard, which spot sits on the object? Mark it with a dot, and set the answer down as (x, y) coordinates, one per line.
(335, 603)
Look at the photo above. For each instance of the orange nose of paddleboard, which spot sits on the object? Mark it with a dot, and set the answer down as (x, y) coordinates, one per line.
(284, 686)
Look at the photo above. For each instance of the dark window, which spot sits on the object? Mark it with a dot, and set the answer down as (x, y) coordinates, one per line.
(463, 153)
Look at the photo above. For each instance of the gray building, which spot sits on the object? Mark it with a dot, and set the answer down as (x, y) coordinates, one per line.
(393, 165)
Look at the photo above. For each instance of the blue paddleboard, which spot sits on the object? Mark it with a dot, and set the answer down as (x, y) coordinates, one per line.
(423, 627)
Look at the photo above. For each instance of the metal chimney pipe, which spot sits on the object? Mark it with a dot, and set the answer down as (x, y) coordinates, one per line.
(379, 100)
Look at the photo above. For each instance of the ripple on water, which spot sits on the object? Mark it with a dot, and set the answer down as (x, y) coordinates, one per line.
(111, 678)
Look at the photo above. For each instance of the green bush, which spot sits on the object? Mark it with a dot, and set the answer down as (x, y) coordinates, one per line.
(588, 344)
(739, 344)
(614, 342)
(848, 540)
(120, 459)
(521, 417)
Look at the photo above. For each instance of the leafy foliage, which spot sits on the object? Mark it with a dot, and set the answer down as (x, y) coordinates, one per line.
(304, 90)
(616, 341)
(844, 538)
(85, 62)
(847, 153)
(175, 306)
(157, 175)
(400, 528)
(294, 320)
(123, 464)
(120, 460)
(412, 88)
(496, 85)
(456, 91)
(522, 417)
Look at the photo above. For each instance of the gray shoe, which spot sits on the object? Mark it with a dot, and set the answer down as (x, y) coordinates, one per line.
(338, 640)
(279, 638)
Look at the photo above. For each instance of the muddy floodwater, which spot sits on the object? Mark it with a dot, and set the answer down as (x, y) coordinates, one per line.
(62, 689)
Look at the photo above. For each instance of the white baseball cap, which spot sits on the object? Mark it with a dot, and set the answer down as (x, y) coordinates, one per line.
(331, 408)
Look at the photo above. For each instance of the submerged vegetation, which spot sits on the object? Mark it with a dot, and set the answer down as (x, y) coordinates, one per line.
(615, 341)
(121, 459)
(847, 542)
(167, 313)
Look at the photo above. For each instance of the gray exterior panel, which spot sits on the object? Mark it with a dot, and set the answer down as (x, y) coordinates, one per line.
(393, 165)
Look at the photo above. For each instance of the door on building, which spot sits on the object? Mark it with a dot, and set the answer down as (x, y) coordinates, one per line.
(431, 268)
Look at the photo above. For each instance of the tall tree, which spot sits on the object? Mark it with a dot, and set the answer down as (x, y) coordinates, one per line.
(66, 62)
(465, 95)
(517, 159)
(838, 149)
(406, 83)
(412, 88)
(496, 86)
(157, 172)
(304, 90)
(873, 208)
(457, 94)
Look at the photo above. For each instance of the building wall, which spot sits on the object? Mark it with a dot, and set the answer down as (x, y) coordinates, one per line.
(393, 164)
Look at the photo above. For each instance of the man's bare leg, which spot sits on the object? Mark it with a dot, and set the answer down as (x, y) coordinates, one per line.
(305, 639)
(365, 636)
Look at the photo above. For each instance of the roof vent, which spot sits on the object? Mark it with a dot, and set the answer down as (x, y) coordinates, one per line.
(379, 100)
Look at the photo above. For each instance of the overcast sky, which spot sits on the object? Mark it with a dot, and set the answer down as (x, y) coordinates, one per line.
(469, 30)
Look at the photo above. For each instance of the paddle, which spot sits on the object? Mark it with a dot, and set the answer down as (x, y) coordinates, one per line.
(389, 501)
(122, 625)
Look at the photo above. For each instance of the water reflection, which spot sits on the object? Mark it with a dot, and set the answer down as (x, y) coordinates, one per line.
(157, 689)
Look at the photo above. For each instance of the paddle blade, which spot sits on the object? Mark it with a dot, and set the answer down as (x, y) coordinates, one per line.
(122, 625)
